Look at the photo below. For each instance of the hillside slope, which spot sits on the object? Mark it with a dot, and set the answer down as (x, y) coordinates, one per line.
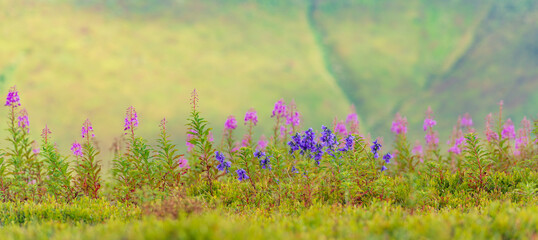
(75, 62)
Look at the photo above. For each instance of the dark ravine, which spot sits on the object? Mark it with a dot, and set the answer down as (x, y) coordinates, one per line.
(331, 60)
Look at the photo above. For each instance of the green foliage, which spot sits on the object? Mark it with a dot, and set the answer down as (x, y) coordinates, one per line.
(58, 180)
(204, 167)
(87, 170)
(478, 161)
(168, 159)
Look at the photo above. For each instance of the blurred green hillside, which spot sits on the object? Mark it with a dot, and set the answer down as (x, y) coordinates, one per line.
(94, 58)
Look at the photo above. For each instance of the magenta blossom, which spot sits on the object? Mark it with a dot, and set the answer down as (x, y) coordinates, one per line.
(24, 123)
(131, 119)
(428, 122)
(399, 125)
(183, 163)
(87, 129)
(76, 149)
(190, 136)
(262, 144)
(280, 110)
(509, 131)
(251, 116)
(490, 134)
(466, 121)
(230, 123)
(293, 119)
(340, 128)
(12, 99)
(432, 139)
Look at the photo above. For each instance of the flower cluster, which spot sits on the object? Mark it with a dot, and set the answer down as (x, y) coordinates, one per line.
(375, 148)
(491, 135)
(466, 121)
(352, 121)
(251, 116)
(23, 121)
(223, 164)
(348, 144)
(340, 129)
(76, 148)
(432, 140)
(12, 99)
(280, 110)
(265, 161)
(241, 174)
(230, 123)
(456, 148)
(87, 129)
(509, 131)
(399, 125)
(131, 119)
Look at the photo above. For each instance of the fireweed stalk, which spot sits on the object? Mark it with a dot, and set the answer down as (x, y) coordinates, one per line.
(228, 143)
(25, 167)
(58, 181)
(251, 119)
(406, 161)
(173, 165)
(499, 138)
(523, 148)
(280, 112)
(87, 169)
(432, 140)
(205, 167)
(352, 121)
(293, 118)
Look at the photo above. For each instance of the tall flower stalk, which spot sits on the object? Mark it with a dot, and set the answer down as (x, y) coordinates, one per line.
(87, 169)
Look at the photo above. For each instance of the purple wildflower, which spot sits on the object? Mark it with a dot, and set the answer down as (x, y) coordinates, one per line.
(509, 131)
(352, 121)
(183, 163)
(190, 136)
(375, 148)
(328, 138)
(399, 125)
(387, 157)
(241, 174)
(131, 119)
(230, 123)
(383, 168)
(417, 150)
(12, 99)
(294, 119)
(223, 164)
(251, 116)
(265, 162)
(428, 123)
(280, 110)
(24, 123)
(87, 129)
(456, 148)
(432, 138)
(340, 129)
(262, 143)
(76, 148)
(466, 120)
(490, 134)
(283, 131)
(348, 144)
(294, 169)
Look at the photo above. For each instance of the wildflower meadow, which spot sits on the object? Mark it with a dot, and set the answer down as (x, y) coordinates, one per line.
(294, 182)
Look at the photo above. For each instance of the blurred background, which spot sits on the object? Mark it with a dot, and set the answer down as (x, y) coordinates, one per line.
(78, 59)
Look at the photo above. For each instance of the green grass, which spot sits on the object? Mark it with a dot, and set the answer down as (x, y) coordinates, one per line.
(499, 220)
